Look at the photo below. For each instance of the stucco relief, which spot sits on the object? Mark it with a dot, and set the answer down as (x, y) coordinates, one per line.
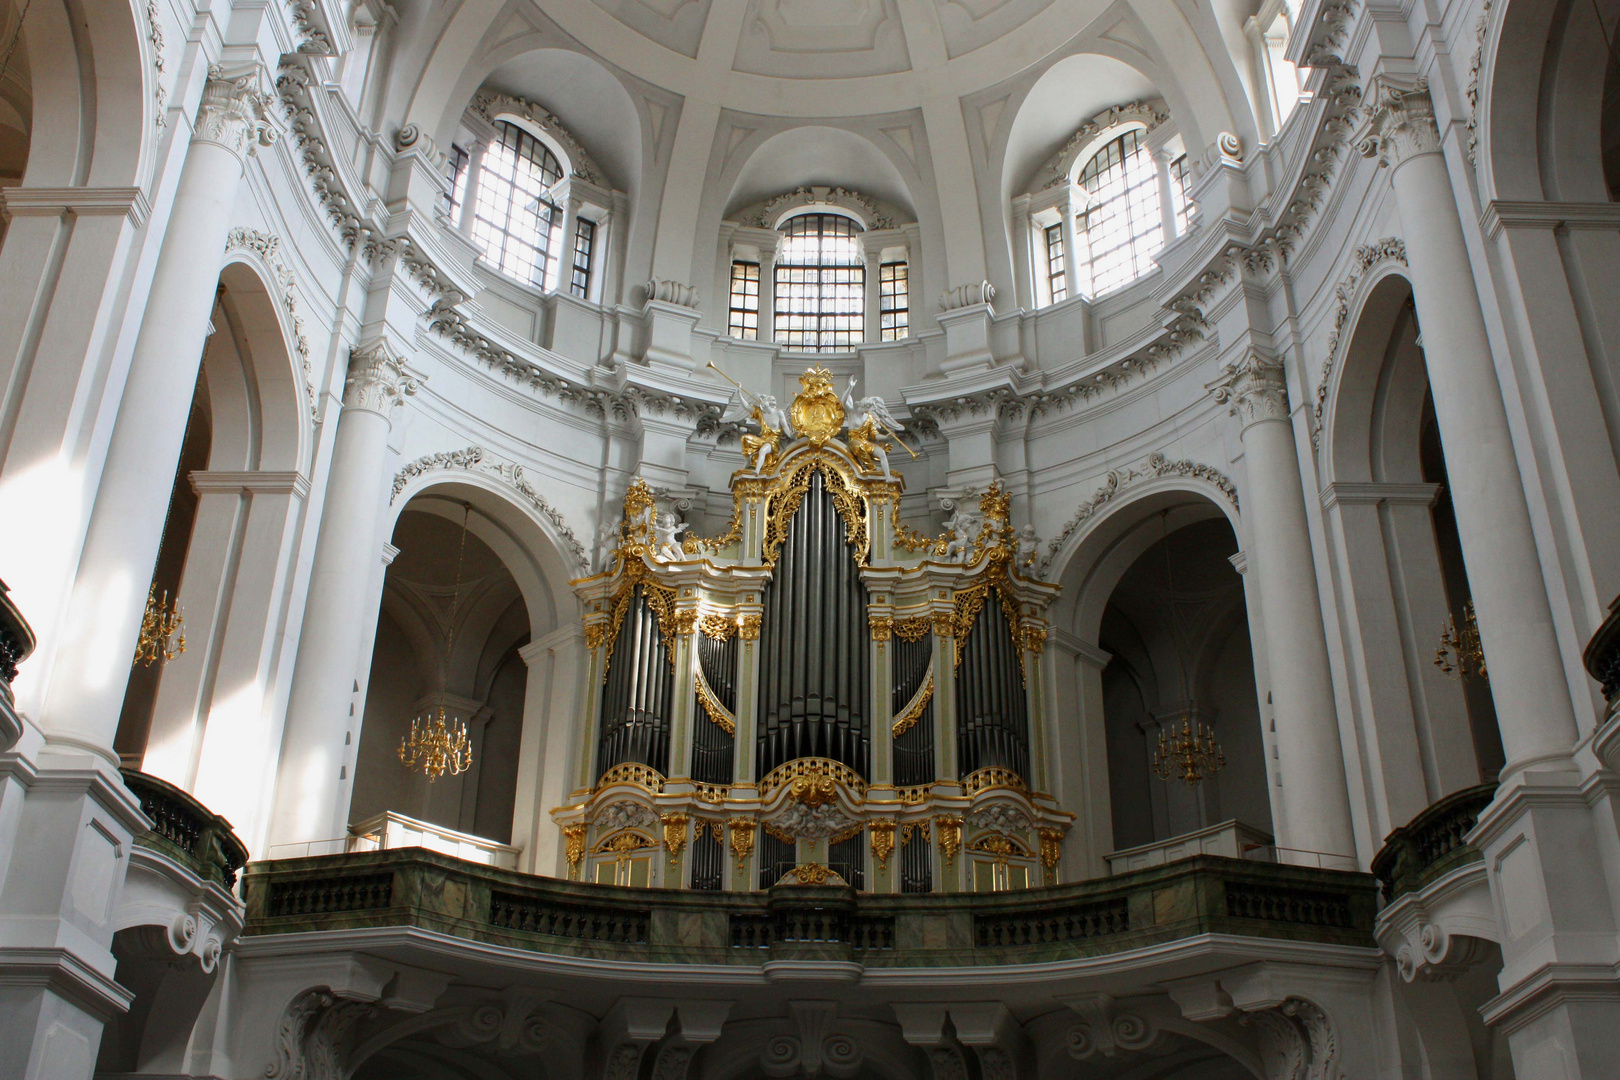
(822, 39)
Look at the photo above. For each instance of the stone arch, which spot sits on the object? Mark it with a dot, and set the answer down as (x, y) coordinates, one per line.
(1370, 306)
(1538, 80)
(261, 295)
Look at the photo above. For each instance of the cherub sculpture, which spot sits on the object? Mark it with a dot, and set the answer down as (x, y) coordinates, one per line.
(870, 422)
(668, 528)
(1026, 547)
(761, 449)
(964, 527)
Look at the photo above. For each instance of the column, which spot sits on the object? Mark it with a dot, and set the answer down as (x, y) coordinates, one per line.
(1315, 795)
(1071, 248)
(873, 253)
(1167, 193)
(469, 194)
(126, 524)
(551, 741)
(1023, 255)
(767, 294)
(308, 782)
(1528, 680)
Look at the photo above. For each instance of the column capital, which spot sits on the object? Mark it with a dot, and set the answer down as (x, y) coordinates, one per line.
(1400, 120)
(377, 380)
(235, 110)
(1255, 388)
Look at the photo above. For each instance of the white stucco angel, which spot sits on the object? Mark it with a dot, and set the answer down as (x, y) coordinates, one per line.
(1026, 547)
(964, 527)
(668, 528)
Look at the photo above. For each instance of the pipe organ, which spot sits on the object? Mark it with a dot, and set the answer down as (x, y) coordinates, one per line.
(818, 694)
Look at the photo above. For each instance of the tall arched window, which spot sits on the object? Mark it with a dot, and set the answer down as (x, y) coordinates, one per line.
(820, 284)
(1121, 227)
(514, 219)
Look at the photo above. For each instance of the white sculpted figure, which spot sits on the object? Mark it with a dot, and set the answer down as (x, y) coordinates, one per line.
(773, 427)
(964, 527)
(869, 421)
(668, 528)
(1026, 547)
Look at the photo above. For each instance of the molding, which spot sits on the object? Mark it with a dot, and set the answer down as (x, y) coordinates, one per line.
(130, 202)
(1367, 256)
(770, 211)
(477, 459)
(1547, 988)
(1352, 493)
(1506, 214)
(67, 975)
(224, 482)
(1054, 172)
(1156, 467)
(1254, 389)
(490, 105)
(1079, 647)
(389, 553)
(1239, 561)
(267, 246)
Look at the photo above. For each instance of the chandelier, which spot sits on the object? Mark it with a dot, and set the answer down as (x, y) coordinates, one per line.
(438, 744)
(163, 631)
(1460, 654)
(1190, 754)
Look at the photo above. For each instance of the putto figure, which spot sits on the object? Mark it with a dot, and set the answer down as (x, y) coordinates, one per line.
(668, 529)
(872, 423)
(773, 423)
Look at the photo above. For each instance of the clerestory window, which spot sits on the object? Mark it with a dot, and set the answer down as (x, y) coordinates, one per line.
(515, 220)
(820, 284)
(1121, 227)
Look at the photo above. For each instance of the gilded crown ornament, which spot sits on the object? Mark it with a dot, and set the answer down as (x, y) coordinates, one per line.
(817, 414)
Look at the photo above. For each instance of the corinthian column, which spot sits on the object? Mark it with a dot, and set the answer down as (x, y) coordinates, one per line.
(1528, 683)
(1315, 797)
(126, 523)
(307, 780)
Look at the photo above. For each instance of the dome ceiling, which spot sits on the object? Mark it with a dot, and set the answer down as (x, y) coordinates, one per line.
(827, 57)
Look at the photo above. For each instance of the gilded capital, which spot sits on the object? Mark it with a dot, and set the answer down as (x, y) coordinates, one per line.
(1400, 120)
(377, 379)
(1254, 388)
(235, 109)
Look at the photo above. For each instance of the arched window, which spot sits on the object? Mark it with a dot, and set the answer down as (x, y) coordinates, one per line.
(820, 284)
(514, 219)
(1121, 227)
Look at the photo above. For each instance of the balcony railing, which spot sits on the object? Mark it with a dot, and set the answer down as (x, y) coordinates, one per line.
(1431, 844)
(186, 830)
(430, 891)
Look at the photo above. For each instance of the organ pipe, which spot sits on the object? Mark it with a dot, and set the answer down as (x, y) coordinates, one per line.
(992, 704)
(635, 719)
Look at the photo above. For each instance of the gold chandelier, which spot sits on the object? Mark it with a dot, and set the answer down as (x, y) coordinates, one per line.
(438, 744)
(1460, 654)
(163, 630)
(1190, 754)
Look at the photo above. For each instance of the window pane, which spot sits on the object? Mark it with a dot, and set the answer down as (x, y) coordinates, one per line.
(1180, 177)
(894, 301)
(1057, 271)
(457, 168)
(514, 219)
(1122, 225)
(744, 321)
(820, 284)
(584, 236)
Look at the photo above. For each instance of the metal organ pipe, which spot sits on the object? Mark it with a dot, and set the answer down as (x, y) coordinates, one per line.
(636, 699)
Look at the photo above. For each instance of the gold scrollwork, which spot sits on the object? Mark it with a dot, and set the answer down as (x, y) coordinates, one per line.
(786, 493)
(912, 627)
(882, 627)
(949, 829)
(1002, 847)
(815, 874)
(742, 838)
(914, 710)
(748, 627)
(712, 708)
(809, 766)
(621, 842)
(1051, 848)
(719, 627)
(694, 545)
(816, 412)
(944, 624)
(631, 772)
(813, 789)
(992, 776)
(675, 824)
(574, 839)
(908, 539)
(882, 841)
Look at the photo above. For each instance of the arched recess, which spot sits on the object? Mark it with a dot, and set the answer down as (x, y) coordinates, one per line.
(1095, 560)
(512, 671)
(228, 555)
(1398, 564)
(1539, 120)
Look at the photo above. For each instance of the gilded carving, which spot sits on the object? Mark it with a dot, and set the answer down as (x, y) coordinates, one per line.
(949, 829)
(815, 874)
(912, 627)
(675, 824)
(817, 414)
(882, 841)
(914, 709)
(742, 838)
(574, 842)
(748, 627)
(712, 708)
(882, 628)
(1051, 848)
(685, 622)
(719, 627)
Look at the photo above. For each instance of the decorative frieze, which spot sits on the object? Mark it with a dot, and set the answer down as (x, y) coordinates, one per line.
(378, 380)
(771, 211)
(1118, 480)
(1400, 120)
(235, 110)
(1055, 171)
(491, 106)
(477, 459)
(1254, 388)
(268, 248)
(1367, 256)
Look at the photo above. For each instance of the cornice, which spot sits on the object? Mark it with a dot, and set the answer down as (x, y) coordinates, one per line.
(130, 202)
(1502, 214)
(1370, 494)
(222, 482)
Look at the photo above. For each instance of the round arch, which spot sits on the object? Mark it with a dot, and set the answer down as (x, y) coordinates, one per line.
(1351, 390)
(259, 298)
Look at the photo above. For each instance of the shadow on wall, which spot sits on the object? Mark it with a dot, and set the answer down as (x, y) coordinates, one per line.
(438, 643)
(1178, 631)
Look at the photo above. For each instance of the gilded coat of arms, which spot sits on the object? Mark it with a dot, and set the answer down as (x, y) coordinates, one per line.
(817, 414)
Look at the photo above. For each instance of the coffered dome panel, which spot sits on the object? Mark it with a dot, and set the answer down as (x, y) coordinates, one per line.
(817, 39)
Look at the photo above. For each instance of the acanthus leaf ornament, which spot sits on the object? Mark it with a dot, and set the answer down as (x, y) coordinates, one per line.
(1400, 120)
(235, 110)
(1254, 388)
(377, 379)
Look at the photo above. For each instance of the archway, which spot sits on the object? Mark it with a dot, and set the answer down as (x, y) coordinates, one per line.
(1428, 732)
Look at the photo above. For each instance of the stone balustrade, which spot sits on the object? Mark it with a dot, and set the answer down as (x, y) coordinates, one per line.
(186, 830)
(429, 891)
(1432, 843)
